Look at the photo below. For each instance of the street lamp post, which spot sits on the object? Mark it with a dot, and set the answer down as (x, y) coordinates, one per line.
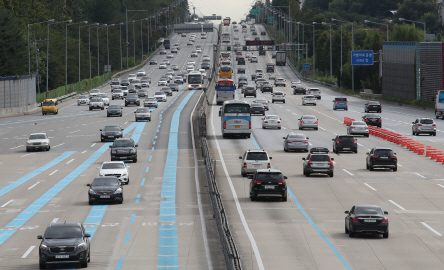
(331, 65)
(29, 49)
(89, 46)
(120, 39)
(107, 42)
(425, 30)
(330, 44)
(47, 53)
(79, 47)
(352, 48)
(98, 48)
(314, 52)
(66, 49)
(367, 21)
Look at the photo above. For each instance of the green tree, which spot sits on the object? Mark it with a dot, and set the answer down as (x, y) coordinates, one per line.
(415, 9)
(13, 46)
(406, 32)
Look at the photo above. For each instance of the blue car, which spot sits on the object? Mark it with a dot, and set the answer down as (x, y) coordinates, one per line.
(340, 104)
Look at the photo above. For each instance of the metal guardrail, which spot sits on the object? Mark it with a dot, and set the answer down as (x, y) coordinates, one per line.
(231, 255)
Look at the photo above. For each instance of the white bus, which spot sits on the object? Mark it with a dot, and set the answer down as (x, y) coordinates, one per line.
(236, 119)
(195, 80)
(226, 37)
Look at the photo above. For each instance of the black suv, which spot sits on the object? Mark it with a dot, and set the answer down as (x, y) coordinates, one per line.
(268, 183)
(64, 242)
(345, 143)
(124, 149)
(380, 157)
(240, 61)
(372, 106)
(107, 188)
(132, 99)
(111, 132)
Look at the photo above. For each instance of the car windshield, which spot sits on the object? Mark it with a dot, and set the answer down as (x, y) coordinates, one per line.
(37, 137)
(269, 177)
(48, 103)
(166, 89)
(257, 156)
(115, 83)
(309, 97)
(150, 99)
(372, 116)
(261, 101)
(319, 158)
(83, 97)
(159, 94)
(136, 81)
(103, 96)
(132, 96)
(359, 124)
(368, 210)
(123, 143)
(118, 165)
(96, 100)
(114, 107)
(373, 103)
(257, 105)
(279, 94)
(172, 85)
(142, 110)
(111, 128)
(63, 232)
(384, 152)
(105, 182)
(426, 121)
(144, 81)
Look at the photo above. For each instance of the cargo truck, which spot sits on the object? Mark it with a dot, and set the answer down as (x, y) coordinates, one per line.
(166, 44)
(281, 58)
(439, 104)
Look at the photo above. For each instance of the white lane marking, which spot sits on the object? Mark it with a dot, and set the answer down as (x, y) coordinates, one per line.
(374, 189)
(84, 152)
(400, 165)
(125, 123)
(16, 147)
(93, 144)
(54, 220)
(430, 228)
(347, 172)
(199, 200)
(27, 252)
(419, 175)
(236, 201)
(400, 207)
(363, 146)
(34, 185)
(10, 201)
(58, 145)
(441, 185)
(27, 155)
(75, 131)
(53, 172)
(70, 161)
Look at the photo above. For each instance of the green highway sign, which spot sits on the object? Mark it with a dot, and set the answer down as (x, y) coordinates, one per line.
(277, 48)
(244, 48)
(270, 20)
(255, 12)
(228, 48)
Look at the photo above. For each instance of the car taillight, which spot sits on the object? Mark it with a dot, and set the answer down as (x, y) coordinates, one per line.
(225, 125)
(316, 122)
(305, 142)
(352, 126)
(289, 141)
(337, 142)
(217, 95)
(279, 122)
(281, 183)
(384, 220)
(346, 103)
(379, 106)
(245, 165)
(366, 120)
(380, 120)
(249, 125)
(434, 125)
(268, 165)
(336, 103)
(419, 125)
(257, 182)
(266, 122)
(302, 122)
(354, 142)
(355, 220)
(393, 157)
(375, 156)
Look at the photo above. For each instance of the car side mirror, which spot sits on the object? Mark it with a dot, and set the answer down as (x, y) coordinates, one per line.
(39, 237)
(98, 167)
(332, 139)
(88, 185)
(386, 213)
(87, 235)
(250, 176)
(134, 111)
(270, 157)
(394, 154)
(101, 129)
(284, 138)
(110, 146)
(263, 118)
(332, 158)
(136, 145)
(285, 177)
(413, 122)
(367, 153)
(303, 158)
(240, 157)
(346, 212)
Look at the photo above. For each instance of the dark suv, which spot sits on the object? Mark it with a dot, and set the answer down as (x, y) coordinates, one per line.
(241, 61)
(345, 143)
(132, 99)
(380, 157)
(124, 149)
(64, 242)
(268, 183)
(105, 189)
(249, 91)
(111, 133)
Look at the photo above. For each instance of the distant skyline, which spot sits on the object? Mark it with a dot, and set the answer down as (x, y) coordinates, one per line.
(235, 9)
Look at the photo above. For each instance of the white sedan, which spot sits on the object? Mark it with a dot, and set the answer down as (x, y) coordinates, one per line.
(37, 141)
(160, 96)
(306, 100)
(104, 98)
(83, 100)
(191, 62)
(115, 168)
(162, 66)
(271, 121)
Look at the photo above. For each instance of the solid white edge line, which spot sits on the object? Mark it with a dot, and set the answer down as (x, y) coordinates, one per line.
(199, 200)
(10, 201)
(236, 201)
(430, 228)
(347, 172)
(400, 207)
(27, 252)
(374, 189)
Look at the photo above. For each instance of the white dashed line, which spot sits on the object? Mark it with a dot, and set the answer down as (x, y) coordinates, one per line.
(430, 228)
(53, 172)
(10, 201)
(347, 172)
(400, 207)
(34, 185)
(374, 189)
(419, 175)
(27, 252)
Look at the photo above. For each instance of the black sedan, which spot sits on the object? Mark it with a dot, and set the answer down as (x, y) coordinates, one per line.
(263, 33)
(106, 189)
(111, 133)
(205, 65)
(380, 157)
(167, 91)
(366, 219)
(372, 106)
(257, 109)
(132, 99)
(124, 149)
(372, 119)
(114, 110)
(268, 183)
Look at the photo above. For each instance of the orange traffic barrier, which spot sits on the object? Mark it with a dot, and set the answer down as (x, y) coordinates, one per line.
(435, 154)
(421, 150)
(440, 157)
(430, 151)
(417, 147)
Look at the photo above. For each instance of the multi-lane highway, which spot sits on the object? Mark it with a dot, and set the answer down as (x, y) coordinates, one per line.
(307, 231)
(163, 223)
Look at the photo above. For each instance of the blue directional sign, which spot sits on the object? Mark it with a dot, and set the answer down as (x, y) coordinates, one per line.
(362, 58)
(306, 66)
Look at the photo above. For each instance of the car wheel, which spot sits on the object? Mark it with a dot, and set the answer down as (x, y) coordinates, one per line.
(284, 198)
(42, 265)
(47, 148)
(121, 200)
(395, 169)
(103, 108)
(90, 202)
(413, 133)
(316, 128)
(371, 167)
(351, 234)
(263, 127)
(385, 235)
(84, 264)
(112, 98)
(434, 133)
(346, 230)
(120, 115)
(356, 151)
(285, 149)
(366, 166)
(135, 160)
(28, 150)
(253, 198)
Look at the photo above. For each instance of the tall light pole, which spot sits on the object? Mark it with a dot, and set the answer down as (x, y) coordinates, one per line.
(331, 65)
(98, 48)
(89, 46)
(303, 39)
(425, 30)
(79, 46)
(107, 42)
(29, 48)
(47, 53)
(314, 52)
(367, 21)
(352, 48)
(120, 39)
(66, 49)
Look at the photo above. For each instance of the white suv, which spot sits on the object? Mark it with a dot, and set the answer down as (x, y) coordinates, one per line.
(278, 96)
(253, 160)
(115, 168)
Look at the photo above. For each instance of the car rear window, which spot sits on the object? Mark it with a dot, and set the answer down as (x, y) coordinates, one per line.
(368, 210)
(384, 152)
(319, 158)
(308, 117)
(346, 138)
(113, 166)
(426, 121)
(359, 124)
(257, 156)
(297, 137)
(269, 176)
(123, 143)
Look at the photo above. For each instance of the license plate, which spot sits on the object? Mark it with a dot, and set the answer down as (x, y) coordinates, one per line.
(369, 220)
(256, 165)
(383, 157)
(104, 197)
(268, 187)
(236, 126)
(62, 256)
(110, 136)
(346, 148)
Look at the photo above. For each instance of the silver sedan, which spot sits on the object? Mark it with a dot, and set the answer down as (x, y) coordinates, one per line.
(271, 121)
(308, 121)
(358, 128)
(295, 142)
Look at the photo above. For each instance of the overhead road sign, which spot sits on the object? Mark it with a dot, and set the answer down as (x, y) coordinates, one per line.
(255, 11)
(193, 27)
(306, 66)
(212, 18)
(259, 42)
(270, 20)
(362, 58)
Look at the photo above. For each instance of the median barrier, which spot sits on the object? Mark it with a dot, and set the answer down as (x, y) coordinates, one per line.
(430, 151)
(435, 154)
(440, 157)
